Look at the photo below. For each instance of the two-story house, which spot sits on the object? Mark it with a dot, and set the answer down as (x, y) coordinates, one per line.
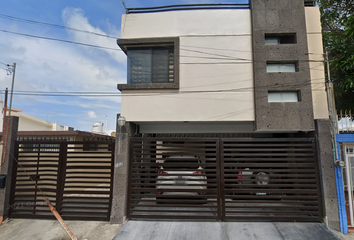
(226, 114)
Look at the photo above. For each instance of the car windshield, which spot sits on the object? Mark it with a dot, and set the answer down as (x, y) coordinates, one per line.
(184, 164)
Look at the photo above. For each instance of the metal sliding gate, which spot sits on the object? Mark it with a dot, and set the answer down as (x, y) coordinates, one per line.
(75, 176)
(256, 179)
(276, 180)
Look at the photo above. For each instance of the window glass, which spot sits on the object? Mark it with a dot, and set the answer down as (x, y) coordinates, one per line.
(271, 41)
(283, 96)
(281, 67)
(139, 65)
(275, 39)
(160, 66)
(150, 65)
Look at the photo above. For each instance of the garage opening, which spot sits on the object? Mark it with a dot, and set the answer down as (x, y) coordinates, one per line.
(174, 179)
(238, 179)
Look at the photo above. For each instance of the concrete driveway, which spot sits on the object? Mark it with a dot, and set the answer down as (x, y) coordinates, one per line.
(152, 230)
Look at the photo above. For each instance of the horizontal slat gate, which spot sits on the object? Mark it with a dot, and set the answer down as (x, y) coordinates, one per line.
(87, 188)
(245, 179)
(35, 178)
(75, 176)
(270, 180)
(174, 179)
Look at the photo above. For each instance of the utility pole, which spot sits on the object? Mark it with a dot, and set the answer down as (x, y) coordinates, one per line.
(4, 113)
(12, 87)
(12, 71)
(331, 107)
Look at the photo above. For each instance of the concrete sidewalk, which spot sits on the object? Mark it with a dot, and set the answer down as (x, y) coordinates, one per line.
(152, 230)
(33, 229)
(29, 229)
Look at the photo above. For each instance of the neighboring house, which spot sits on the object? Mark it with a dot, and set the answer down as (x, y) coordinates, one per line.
(30, 123)
(235, 75)
(35, 129)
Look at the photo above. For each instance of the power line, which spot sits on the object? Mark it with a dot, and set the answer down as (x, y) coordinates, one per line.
(109, 36)
(6, 64)
(117, 94)
(60, 40)
(54, 25)
(221, 57)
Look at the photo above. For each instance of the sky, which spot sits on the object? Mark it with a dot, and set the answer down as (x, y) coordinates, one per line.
(54, 78)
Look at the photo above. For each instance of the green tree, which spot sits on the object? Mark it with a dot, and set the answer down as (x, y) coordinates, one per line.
(338, 36)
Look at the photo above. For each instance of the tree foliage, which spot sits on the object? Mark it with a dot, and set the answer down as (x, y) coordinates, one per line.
(338, 36)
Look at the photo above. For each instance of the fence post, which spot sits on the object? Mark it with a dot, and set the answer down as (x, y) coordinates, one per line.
(121, 173)
(7, 166)
(61, 175)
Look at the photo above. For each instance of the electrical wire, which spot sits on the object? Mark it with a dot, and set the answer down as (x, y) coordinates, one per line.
(219, 56)
(54, 25)
(60, 40)
(112, 94)
(4, 64)
(114, 37)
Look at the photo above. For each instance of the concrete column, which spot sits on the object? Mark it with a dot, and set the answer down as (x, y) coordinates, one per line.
(7, 168)
(327, 174)
(121, 173)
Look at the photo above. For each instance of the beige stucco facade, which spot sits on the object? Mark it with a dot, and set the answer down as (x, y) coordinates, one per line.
(216, 71)
(216, 81)
(317, 71)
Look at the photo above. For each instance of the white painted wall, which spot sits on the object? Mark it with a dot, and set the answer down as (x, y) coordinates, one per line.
(216, 71)
(29, 123)
(317, 71)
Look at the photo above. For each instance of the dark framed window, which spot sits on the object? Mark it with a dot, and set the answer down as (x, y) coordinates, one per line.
(284, 96)
(282, 67)
(153, 63)
(150, 65)
(276, 39)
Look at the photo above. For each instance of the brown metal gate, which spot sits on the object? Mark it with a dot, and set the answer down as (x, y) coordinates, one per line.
(159, 171)
(270, 180)
(75, 176)
(255, 179)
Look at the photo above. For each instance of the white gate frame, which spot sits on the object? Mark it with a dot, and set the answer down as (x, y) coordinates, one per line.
(349, 172)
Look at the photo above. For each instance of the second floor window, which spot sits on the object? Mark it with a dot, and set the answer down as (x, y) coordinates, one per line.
(150, 65)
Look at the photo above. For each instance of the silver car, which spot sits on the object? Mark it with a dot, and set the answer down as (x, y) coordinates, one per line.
(183, 173)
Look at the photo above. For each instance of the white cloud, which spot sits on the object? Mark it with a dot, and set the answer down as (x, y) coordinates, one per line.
(74, 18)
(91, 115)
(44, 65)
